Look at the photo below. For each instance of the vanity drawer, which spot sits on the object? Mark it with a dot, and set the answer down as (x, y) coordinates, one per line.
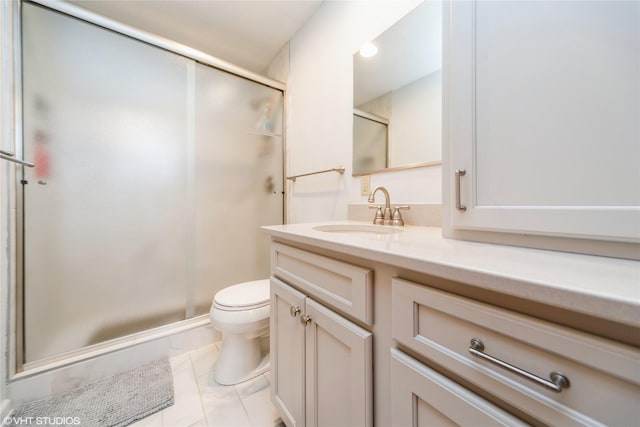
(603, 375)
(345, 287)
(421, 396)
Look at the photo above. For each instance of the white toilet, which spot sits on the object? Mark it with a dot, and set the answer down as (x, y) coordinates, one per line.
(241, 313)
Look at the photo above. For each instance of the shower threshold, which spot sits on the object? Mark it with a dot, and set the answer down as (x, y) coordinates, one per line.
(155, 343)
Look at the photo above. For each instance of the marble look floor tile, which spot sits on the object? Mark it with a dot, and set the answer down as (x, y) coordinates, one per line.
(201, 402)
(204, 359)
(153, 420)
(260, 410)
(187, 408)
(224, 412)
(252, 386)
(180, 363)
(208, 386)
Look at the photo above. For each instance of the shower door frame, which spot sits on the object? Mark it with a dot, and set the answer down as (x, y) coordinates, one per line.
(12, 120)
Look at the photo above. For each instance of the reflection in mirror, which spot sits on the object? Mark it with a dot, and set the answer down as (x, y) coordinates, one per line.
(397, 95)
(370, 146)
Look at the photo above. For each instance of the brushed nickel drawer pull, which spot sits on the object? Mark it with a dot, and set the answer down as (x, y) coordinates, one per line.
(557, 383)
(459, 206)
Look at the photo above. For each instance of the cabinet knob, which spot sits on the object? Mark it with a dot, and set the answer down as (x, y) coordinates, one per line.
(294, 311)
(305, 319)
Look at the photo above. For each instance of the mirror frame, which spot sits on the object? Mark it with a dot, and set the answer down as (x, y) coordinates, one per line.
(398, 168)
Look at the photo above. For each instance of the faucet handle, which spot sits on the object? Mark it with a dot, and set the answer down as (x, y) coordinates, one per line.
(379, 218)
(396, 217)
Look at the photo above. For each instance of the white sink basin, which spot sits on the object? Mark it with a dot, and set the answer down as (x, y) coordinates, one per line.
(358, 228)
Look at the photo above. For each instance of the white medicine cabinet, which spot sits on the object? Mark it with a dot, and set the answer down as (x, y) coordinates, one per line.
(542, 113)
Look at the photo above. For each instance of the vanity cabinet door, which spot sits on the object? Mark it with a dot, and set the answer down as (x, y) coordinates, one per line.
(542, 117)
(321, 363)
(287, 337)
(338, 370)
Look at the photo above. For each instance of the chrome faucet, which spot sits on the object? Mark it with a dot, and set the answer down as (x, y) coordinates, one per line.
(386, 218)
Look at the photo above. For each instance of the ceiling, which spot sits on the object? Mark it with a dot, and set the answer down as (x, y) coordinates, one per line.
(246, 33)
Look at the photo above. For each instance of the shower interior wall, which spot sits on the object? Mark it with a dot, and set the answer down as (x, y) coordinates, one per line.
(225, 174)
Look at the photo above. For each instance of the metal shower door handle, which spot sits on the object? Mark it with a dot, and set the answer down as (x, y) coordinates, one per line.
(7, 155)
(459, 206)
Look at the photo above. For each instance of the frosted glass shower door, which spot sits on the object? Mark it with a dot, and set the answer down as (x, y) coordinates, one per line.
(238, 180)
(105, 223)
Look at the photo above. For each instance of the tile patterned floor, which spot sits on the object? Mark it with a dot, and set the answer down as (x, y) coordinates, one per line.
(201, 402)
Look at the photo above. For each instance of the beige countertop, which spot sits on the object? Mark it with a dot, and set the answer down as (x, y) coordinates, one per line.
(598, 286)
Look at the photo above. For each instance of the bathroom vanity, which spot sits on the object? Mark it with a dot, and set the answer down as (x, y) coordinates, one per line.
(398, 326)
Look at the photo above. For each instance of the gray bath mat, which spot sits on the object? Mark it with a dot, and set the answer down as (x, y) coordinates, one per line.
(115, 401)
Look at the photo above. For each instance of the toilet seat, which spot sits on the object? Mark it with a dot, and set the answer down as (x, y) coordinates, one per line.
(241, 312)
(243, 296)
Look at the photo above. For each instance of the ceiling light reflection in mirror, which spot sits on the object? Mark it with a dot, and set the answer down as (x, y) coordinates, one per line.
(368, 50)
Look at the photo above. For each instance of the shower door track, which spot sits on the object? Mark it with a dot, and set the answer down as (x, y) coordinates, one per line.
(152, 39)
(17, 367)
(111, 346)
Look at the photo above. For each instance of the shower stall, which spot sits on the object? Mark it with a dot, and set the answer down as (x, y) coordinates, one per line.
(153, 174)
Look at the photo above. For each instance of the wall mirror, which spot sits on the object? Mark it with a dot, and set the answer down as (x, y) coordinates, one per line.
(397, 95)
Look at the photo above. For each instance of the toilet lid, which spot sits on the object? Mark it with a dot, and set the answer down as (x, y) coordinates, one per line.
(247, 294)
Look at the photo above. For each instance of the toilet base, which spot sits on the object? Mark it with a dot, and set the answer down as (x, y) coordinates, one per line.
(239, 360)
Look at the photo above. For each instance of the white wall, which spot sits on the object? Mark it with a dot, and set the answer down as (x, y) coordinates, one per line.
(320, 93)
